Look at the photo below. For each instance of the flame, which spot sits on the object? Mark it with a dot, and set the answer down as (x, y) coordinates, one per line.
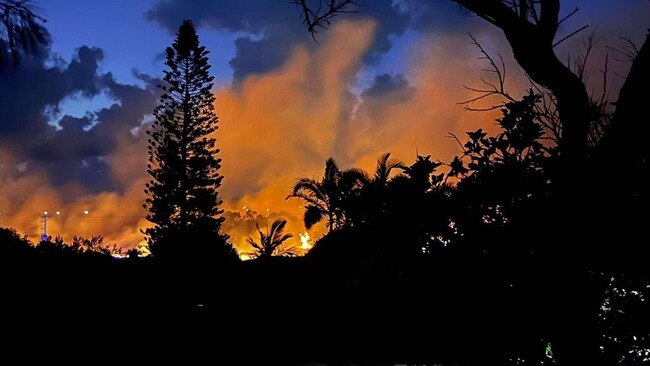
(244, 256)
(305, 239)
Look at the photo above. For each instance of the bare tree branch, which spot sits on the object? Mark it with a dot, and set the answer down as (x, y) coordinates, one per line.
(532, 36)
(494, 88)
(570, 35)
(21, 30)
(321, 18)
(568, 16)
(629, 51)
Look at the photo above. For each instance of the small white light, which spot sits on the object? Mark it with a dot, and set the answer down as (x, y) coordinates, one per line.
(58, 212)
(45, 213)
(86, 212)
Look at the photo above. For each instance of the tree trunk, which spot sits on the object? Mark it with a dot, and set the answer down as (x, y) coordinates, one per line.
(532, 46)
(536, 56)
(575, 337)
(626, 139)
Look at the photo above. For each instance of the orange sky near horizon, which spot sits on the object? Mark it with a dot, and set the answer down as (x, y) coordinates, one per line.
(277, 127)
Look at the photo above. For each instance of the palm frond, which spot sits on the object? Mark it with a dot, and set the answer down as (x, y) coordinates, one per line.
(283, 238)
(313, 215)
(288, 252)
(385, 166)
(21, 30)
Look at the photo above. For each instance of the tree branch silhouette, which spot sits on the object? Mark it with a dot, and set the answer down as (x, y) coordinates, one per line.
(321, 18)
(21, 30)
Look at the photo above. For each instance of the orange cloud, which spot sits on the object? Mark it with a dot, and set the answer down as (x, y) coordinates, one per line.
(275, 128)
(283, 125)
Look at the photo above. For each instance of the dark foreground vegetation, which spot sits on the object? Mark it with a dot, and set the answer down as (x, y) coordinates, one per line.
(473, 266)
(357, 297)
(519, 251)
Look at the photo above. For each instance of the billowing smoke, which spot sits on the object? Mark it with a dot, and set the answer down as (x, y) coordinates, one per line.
(276, 125)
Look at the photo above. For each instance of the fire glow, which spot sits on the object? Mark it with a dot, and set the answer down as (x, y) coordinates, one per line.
(305, 241)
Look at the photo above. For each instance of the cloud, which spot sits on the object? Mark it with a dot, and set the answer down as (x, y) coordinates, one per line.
(274, 128)
(69, 165)
(438, 15)
(284, 124)
(385, 84)
(271, 29)
(31, 96)
(280, 122)
(27, 90)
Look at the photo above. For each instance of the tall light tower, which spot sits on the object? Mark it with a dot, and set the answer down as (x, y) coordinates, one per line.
(44, 220)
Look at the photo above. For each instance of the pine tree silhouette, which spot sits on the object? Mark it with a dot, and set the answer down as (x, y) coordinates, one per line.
(183, 199)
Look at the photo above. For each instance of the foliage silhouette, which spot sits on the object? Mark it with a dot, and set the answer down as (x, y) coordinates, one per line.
(21, 31)
(329, 197)
(511, 251)
(183, 201)
(466, 252)
(566, 200)
(270, 243)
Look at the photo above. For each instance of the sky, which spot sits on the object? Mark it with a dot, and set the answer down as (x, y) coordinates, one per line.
(387, 79)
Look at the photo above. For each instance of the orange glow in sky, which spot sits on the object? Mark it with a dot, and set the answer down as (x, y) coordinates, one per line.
(274, 128)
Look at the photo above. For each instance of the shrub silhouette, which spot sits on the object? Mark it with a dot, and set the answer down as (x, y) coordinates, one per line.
(270, 242)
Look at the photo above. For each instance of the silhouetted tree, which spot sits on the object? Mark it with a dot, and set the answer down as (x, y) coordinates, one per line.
(421, 173)
(503, 171)
(369, 202)
(183, 201)
(21, 31)
(270, 242)
(330, 197)
(12, 244)
(531, 28)
(624, 143)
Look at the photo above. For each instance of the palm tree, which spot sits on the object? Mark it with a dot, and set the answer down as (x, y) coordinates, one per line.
(270, 242)
(20, 30)
(329, 197)
(385, 166)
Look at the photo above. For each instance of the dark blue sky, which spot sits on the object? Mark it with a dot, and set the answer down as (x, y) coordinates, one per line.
(129, 40)
(132, 38)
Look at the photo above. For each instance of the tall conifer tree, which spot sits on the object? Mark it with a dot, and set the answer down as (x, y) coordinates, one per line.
(183, 201)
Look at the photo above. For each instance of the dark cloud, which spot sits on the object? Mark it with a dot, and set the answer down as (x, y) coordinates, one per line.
(394, 88)
(436, 15)
(386, 84)
(75, 150)
(70, 144)
(27, 90)
(82, 71)
(258, 56)
(272, 28)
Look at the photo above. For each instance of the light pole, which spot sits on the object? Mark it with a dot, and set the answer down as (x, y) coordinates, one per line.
(44, 220)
